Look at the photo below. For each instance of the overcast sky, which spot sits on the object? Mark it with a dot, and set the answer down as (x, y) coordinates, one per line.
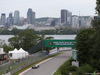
(48, 8)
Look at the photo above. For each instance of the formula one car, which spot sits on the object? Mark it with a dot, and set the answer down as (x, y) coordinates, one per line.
(35, 67)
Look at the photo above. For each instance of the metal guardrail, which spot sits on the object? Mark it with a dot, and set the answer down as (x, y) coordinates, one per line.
(1, 65)
(14, 66)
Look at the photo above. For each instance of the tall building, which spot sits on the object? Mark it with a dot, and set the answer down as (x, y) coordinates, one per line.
(16, 17)
(10, 19)
(30, 17)
(63, 16)
(81, 21)
(69, 18)
(75, 22)
(3, 19)
(66, 17)
(88, 22)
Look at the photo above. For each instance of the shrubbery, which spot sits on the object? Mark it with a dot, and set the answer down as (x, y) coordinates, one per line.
(87, 68)
(80, 71)
(84, 69)
(67, 68)
(72, 68)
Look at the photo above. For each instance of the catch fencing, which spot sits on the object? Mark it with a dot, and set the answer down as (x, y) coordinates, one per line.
(16, 65)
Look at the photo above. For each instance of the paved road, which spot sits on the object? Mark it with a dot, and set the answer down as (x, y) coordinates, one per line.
(50, 66)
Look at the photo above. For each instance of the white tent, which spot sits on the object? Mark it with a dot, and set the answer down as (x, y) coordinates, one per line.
(26, 53)
(23, 53)
(1, 51)
(14, 54)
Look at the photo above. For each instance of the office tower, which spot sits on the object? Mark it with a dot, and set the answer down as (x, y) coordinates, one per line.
(66, 17)
(81, 21)
(75, 22)
(30, 17)
(69, 18)
(16, 17)
(10, 19)
(63, 16)
(88, 22)
(3, 19)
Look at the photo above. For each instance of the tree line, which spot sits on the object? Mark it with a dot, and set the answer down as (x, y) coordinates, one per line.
(60, 31)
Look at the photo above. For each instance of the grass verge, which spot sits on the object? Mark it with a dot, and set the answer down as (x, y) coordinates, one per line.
(17, 73)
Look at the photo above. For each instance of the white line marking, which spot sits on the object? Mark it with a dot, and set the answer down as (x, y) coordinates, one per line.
(53, 72)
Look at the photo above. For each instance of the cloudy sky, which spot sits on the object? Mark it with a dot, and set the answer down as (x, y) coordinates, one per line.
(48, 8)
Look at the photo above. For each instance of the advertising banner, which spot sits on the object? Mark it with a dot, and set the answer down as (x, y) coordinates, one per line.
(59, 43)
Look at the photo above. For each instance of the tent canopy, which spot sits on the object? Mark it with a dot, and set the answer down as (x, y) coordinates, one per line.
(21, 50)
(14, 51)
(18, 53)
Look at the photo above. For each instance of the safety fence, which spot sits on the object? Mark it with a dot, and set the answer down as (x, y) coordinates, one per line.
(16, 65)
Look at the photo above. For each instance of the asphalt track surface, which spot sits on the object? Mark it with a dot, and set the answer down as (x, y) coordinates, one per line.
(50, 66)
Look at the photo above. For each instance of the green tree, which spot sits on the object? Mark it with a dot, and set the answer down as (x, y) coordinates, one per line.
(49, 32)
(7, 48)
(15, 31)
(5, 32)
(14, 41)
(43, 37)
(85, 45)
(88, 42)
(25, 39)
(96, 26)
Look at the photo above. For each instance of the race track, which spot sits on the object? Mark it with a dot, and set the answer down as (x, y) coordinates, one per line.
(50, 66)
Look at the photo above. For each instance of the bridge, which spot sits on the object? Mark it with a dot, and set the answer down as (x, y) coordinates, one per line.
(52, 43)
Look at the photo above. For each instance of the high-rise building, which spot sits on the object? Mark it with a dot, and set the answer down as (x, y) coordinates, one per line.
(3, 19)
(69, 18)
(10, 19)
(30, 17)
(88, 22)
(16, 17)
(81, 21)
(66, 17)
(75, 21)
(63, 16)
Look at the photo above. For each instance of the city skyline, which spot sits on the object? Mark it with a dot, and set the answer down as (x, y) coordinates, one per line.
(50, 8)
